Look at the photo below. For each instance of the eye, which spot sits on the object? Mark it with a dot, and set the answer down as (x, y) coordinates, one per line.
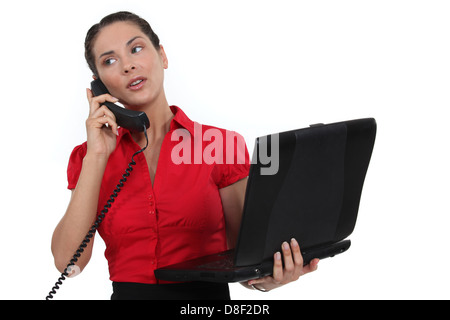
(109, 61)
(136, 49)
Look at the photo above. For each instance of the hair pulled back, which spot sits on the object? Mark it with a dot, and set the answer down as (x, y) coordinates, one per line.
(121, 16)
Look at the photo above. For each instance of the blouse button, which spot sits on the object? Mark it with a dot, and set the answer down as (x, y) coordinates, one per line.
(151, 212)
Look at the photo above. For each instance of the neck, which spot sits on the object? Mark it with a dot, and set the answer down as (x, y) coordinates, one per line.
(160, 116)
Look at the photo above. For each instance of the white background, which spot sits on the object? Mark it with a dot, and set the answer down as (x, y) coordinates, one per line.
(256, 67)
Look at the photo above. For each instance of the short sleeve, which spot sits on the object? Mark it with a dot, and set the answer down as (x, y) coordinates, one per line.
(75, 164)
(236, 164)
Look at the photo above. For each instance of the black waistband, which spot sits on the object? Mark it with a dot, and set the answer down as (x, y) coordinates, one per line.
(172, 291)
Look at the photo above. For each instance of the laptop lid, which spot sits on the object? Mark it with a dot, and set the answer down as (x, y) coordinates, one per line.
(305, 184)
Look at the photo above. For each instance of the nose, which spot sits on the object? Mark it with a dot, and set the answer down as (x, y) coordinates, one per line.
(128, 68)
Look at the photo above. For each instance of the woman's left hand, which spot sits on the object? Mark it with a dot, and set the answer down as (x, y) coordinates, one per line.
(293, 268)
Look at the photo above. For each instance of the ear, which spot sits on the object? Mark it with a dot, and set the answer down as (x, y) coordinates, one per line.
(94, 77)
(163, 56)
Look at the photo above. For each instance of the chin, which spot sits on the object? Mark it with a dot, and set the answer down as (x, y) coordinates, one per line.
(141, 98)
(138, 103)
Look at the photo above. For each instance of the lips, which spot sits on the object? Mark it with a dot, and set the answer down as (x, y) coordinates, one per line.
(136, 83)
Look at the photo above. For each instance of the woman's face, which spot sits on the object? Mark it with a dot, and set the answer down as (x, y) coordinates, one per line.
(129, 65)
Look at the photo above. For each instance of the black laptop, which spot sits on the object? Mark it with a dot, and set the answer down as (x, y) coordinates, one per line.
(311, 192)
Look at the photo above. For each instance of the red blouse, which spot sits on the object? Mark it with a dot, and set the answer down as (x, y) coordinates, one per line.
(181, 216)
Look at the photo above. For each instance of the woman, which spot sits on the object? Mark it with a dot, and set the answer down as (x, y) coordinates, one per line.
(167, 212)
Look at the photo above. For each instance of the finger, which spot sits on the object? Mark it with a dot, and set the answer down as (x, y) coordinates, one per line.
(96, 102)
(101, 121)
(260, 280)
(288, 261)
(277, 268)
(312, 266)
(102, 112)
(112, 124)
(298, 258)
(89, 94)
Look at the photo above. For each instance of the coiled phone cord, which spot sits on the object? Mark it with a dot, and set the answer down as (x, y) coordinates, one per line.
(100, 218)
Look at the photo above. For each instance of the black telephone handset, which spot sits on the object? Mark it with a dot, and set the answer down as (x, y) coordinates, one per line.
(133, 120)
(130, 119)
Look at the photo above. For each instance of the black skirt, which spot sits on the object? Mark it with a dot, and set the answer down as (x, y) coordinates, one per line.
(172, 291)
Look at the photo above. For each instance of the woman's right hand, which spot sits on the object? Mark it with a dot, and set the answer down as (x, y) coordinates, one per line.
(101, 126)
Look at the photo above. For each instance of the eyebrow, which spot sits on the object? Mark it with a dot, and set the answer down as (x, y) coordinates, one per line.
(129, 42)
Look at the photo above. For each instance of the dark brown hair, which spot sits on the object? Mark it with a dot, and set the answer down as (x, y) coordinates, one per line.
(110, 19)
